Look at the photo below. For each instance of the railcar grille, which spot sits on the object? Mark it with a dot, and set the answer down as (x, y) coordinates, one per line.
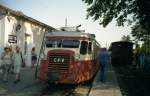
(58, 62)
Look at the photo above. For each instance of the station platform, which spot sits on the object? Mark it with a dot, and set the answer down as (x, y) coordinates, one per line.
(28, 86)
(31, 87)
(109, 88)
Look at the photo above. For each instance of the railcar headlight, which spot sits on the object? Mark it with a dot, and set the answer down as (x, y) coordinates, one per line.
(77, 56)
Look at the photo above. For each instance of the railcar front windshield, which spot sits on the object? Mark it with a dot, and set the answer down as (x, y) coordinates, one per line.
(53, 43)
(70, 43)
(62, 43)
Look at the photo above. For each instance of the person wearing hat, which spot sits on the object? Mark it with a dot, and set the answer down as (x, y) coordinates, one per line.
(6, 62)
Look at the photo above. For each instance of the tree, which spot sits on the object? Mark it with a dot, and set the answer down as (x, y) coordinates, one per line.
(135, 12)
(125, 38)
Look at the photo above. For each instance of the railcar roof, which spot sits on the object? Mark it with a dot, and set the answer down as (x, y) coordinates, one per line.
(70, 34)
(122, 42)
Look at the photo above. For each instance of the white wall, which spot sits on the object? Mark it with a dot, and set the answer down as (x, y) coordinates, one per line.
(8, 27)
(29, 40)
(10, 23)
(2, 31)
(38, 33)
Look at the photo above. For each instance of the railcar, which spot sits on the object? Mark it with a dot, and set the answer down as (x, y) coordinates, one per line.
(69, 57)
(121, 53)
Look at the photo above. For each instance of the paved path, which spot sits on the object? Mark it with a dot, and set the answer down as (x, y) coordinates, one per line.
(110, 88)
(31, 87)
(27, 87)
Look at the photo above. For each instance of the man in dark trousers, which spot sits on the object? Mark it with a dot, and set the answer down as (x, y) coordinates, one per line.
(104, 60)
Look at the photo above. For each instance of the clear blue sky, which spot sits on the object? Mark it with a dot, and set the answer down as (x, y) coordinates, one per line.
(54, 12)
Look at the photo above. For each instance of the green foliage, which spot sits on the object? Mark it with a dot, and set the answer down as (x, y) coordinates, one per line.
(145, 48)
(134, 12)
(126, 38)
(107, 10)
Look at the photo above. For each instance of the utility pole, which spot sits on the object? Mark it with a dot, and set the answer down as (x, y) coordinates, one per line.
(106, 45)
(66, 22)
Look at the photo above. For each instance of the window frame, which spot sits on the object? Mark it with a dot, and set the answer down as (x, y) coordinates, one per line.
(78, 41)
(52, 43)
(90, 48)
(82, 49)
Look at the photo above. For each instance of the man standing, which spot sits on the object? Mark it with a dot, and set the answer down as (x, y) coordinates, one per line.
(104, 60)
(17, 61)
(33, 57)
(6, 62)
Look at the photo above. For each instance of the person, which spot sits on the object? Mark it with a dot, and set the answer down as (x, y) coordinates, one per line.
(33, 57)
(104, 60)
(137, 60)
(1, 51)
(17, 61)
(11, 67)
(142, 60)
(147, 62)
(6, 62)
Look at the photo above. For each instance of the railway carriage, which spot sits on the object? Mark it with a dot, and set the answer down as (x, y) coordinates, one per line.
(69, 57)
(121, 53)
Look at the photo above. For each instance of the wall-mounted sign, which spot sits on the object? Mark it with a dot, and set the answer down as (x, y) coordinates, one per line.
(12, 39)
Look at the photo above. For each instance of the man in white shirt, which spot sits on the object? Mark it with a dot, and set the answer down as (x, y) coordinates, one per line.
(17, 61)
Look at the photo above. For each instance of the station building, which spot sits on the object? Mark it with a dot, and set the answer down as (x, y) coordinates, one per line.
(17, 29)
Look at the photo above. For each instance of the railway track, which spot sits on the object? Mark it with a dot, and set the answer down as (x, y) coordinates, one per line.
(132, 81)
(67, 90)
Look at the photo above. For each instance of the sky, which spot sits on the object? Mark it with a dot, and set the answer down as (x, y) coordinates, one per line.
(54, 13)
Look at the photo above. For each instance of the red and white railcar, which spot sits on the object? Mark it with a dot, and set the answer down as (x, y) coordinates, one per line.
(70, 57)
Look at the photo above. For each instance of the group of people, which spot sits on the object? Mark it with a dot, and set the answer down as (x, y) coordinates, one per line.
(12, 61)
(141, 60)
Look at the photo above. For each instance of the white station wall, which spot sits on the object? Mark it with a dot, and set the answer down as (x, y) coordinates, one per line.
(2, 29)
(2, 35)
(29, 32)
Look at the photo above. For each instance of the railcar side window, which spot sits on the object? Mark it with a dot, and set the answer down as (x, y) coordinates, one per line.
(90, 48)
(70, 43)
(83, 48)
